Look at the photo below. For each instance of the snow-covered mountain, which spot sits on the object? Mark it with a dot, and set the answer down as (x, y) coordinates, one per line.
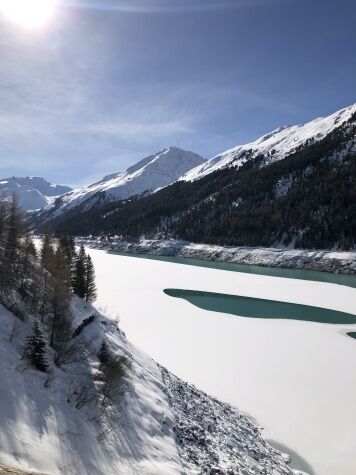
(32, 192)
(155, 171)
(275, 145)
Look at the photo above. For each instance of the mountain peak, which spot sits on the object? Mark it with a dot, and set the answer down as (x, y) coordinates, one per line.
(152, 172)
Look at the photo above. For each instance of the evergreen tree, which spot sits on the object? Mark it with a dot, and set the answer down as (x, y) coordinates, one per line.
(3, 234)
(47, 249)
(46, 258)
(67, 244)
(60, 293)
(80, 274)
(90, 292)
(36, 348)
(13, 240)
(28, 257)
(104, 352)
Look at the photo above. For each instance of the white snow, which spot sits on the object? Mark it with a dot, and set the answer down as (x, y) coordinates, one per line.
(277, 144)
(41, 431)
(32, 192)
(296, 378)
(155, 171)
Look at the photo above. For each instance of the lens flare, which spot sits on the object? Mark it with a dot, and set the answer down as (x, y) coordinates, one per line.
(28, 13)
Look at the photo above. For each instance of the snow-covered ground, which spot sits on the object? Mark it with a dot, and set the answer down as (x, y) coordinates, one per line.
(42, 430)
(296, 378)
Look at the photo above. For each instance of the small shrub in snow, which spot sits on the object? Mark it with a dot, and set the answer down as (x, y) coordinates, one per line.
(115, 377)
(82, 393)
(104, 352)
(36, 348)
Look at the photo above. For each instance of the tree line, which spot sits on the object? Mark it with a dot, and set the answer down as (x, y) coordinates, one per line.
(41, 281)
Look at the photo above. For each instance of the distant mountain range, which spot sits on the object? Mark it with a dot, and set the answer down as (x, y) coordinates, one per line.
(294, 187)
(32, 192)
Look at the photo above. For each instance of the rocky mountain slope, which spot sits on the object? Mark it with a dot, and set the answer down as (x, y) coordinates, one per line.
(33, 192)
(155, 171)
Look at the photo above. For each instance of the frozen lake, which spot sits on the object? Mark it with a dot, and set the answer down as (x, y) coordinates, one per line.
(296, 378)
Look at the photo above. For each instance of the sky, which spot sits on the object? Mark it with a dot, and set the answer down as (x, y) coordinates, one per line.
(104, 83)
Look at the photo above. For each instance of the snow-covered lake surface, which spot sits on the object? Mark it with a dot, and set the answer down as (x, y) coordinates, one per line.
(296, 378)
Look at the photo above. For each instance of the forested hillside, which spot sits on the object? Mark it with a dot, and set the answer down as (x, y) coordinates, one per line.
(306, 200)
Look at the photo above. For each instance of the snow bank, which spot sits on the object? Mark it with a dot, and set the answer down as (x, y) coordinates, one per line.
(325, 261)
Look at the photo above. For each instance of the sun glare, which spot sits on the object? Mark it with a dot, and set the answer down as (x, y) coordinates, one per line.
(28, 13)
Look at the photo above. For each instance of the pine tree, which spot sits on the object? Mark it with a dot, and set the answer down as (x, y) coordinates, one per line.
(80, 274)
(60, 294)
(3, 235)
(46, 258)
(90, 293)
(28, 257)
(67, 244)
(13, 240)
(36, 348)
(104, 352)
(47, 249)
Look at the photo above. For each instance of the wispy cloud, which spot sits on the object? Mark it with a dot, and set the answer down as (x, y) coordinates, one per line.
(164, 6)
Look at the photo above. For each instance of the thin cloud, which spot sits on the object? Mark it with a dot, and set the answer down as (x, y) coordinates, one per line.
(164, 6)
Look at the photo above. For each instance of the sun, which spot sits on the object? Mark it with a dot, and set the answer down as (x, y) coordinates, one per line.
(28, 13)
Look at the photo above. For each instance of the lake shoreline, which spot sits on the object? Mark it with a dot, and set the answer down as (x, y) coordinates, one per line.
(342, 262)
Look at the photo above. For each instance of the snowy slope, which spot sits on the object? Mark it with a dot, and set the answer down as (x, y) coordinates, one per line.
(33, 192)
(162, 426)
(276, 145)
(155, 171)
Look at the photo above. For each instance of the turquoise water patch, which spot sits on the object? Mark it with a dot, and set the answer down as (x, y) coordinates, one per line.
(352, 334)
(316, 276)
(260, 308)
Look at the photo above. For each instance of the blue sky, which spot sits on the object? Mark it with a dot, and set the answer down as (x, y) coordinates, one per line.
(106, 83)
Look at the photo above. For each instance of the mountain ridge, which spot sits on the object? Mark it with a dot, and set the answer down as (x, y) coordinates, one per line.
(294, 200)
(276, 144)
